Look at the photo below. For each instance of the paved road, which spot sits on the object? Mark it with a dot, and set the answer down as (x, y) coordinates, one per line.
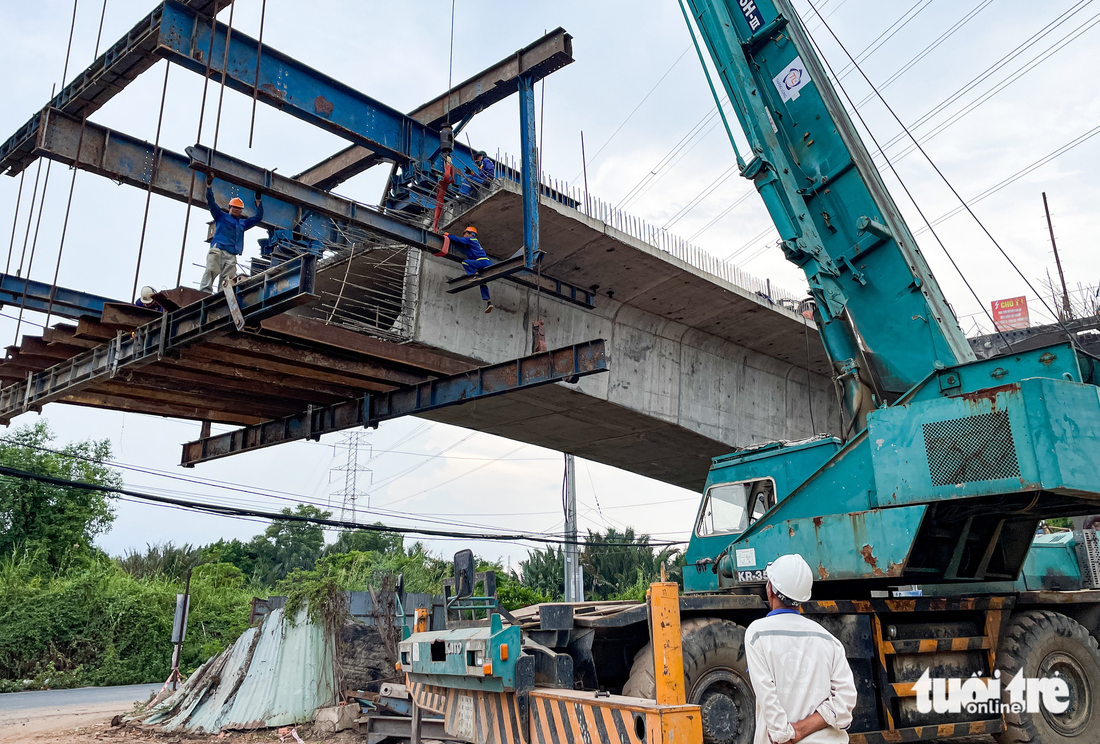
(81, 696)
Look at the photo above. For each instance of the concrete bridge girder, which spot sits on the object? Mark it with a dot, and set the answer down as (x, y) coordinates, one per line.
(675, 395)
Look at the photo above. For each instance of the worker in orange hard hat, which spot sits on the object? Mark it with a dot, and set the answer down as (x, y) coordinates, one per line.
(475, 260)
(227, 241)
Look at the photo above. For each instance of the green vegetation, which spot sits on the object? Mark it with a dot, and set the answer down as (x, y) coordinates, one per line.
(71, 615)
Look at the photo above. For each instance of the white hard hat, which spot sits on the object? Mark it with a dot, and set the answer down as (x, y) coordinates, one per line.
(791, 576)
(147, 294)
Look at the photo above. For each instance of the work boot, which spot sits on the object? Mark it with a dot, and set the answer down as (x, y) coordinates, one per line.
(488, 306)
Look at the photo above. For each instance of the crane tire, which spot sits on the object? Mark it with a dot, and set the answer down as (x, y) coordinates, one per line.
(716, 678)
(1040, 643)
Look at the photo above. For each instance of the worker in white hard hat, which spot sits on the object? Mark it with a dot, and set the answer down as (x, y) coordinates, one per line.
(799, 671)
(146, 300)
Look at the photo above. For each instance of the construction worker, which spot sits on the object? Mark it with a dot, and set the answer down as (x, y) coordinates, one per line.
(799, 671)
(145, 300)
(476, 260)
(228, 240)
(486, 172)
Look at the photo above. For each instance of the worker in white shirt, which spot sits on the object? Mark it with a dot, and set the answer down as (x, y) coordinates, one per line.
(803, 684)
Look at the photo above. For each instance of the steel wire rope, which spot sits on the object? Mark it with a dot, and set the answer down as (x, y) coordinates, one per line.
(631, 114)
(701, 196)
(30, 218)
(72, 181)
(668, 168)
(1058, 152)
(929, 48)
(969, 108)
(34, 245)
(256, 82)
(451, 480)
(15, 218)
(154, 167)
(695, 129)
(198, 140)
(966, 87)
(898, 177)
(729, 208)
(875, 45)
(224, 73)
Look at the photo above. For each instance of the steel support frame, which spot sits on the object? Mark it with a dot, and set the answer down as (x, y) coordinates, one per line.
(537, 60)
(270, 293)
(90, 89)
(559, 365)
(294, 87)
(39, 296)
(529, 171)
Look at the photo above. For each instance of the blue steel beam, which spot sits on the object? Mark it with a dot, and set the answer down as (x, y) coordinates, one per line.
(67, 303)
(295, 88)
(100, 82)
(259, 297)
(288, 203)
(125, 159)
(560, 365)
(529, 170)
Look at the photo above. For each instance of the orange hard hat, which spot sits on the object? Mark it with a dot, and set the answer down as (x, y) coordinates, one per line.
(236, 202)
(472, 229)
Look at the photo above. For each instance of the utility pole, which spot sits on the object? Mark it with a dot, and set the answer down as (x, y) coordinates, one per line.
(574, 583)
(1067, 310)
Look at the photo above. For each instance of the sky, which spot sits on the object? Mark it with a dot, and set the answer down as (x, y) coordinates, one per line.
(995, 91)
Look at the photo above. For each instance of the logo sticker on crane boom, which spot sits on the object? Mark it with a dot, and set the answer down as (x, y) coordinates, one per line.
(793, 78)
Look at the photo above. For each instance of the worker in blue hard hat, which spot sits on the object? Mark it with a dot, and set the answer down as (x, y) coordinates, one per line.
(475, 260)
(227, 242)
(805, 690)
(486, 172)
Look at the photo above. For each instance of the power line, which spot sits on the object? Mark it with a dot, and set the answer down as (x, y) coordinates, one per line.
(631, 114)
(220, 510)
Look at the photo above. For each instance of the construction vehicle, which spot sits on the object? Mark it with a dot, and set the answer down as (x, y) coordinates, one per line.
(919, 518)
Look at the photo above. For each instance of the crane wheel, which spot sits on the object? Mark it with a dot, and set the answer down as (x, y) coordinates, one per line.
(1041, 644)
(716, 678)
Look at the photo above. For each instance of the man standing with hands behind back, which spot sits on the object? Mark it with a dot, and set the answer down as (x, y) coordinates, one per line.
(804, 687)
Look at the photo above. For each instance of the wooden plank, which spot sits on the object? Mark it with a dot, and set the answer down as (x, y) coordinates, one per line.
(249, 345)
(66, 334)
(289, 383)
(127, 317)
(97, 399)
(187, 394)
(316, 332)
(228, 356)
(95, 330)
(300, 396)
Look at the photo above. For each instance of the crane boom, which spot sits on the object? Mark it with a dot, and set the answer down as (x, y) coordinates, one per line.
(883, 318)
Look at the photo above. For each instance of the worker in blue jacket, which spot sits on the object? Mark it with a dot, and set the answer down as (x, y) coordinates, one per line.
(486, 172)
(228, 240)
(476, 260)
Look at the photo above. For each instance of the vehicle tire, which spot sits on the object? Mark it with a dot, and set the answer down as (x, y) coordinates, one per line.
(1041, 643)
(716, 678)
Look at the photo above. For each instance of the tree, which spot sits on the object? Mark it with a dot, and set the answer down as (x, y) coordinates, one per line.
(544, 572)
(56, 520)
(287, 544)
(386, 543)
(617, 563)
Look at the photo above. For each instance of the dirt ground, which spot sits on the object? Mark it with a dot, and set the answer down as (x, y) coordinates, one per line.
(92, 723)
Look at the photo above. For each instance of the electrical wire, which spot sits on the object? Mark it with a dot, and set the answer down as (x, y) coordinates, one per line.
(221, 510)
(949, 186)
(631, 114)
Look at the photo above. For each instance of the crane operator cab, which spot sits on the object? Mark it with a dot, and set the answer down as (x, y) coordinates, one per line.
(740, 489)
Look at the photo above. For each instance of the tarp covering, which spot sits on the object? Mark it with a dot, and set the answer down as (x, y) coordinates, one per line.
(273, 675)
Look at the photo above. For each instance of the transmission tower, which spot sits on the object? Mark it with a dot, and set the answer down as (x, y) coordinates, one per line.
(350, 493)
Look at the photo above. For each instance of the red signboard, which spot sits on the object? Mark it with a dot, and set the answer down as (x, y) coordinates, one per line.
(1011, 314)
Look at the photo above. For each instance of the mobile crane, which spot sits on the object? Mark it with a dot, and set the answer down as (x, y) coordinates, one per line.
(945, 469)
